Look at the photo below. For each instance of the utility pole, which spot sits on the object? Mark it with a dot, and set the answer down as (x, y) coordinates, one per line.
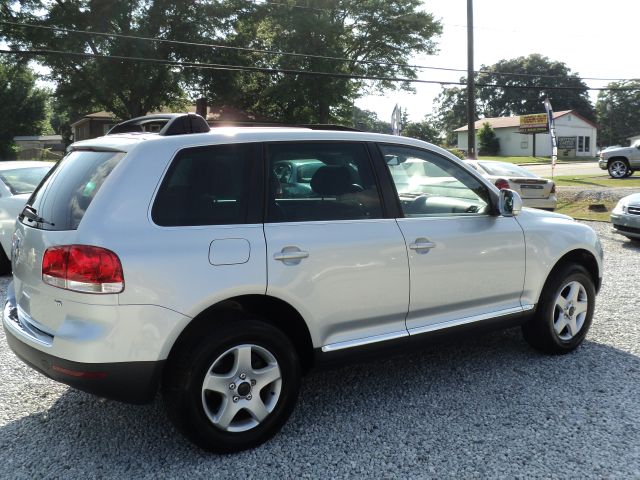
(471, 96)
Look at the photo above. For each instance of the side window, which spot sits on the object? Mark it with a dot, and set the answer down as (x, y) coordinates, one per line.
(430, 185)
(206, 186)
(321, 181)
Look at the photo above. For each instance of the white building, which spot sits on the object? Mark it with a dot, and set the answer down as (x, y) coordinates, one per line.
(576, 135)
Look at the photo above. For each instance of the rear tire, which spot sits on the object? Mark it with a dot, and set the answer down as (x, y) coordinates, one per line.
(564, 312)
(232, 386)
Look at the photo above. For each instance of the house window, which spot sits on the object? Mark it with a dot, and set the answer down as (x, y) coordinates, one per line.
(584, 144)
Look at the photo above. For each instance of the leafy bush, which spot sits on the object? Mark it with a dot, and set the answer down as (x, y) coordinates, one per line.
(489, 144)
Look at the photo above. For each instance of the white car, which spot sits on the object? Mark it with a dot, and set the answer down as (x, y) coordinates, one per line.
(18, 179)
(535, 191)
(177, 262)
(625, 217)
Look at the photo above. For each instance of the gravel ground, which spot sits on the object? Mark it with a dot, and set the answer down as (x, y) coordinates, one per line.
(487, 407)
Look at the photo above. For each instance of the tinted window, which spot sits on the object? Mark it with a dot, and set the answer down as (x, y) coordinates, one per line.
(23, 180)
(64, 196)
(206, 186)
(430, 185)
(321, 181)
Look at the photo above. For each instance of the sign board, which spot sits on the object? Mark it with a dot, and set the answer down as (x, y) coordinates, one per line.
(567, 143)
(536, 123)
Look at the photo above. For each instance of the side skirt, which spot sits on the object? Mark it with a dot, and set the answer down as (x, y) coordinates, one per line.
(373, 351)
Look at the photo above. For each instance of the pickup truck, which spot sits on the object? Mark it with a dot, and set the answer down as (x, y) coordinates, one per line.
(621, 162)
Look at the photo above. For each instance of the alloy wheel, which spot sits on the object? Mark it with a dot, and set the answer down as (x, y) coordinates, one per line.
(570, 310)
(241, 388)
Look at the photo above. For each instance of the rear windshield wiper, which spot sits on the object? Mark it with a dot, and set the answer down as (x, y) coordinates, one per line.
(32, 214)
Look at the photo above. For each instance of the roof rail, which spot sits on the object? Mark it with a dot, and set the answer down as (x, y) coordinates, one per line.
(329, 126)
(163, 124)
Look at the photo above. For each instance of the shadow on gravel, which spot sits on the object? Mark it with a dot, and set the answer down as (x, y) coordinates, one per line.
(488, 406)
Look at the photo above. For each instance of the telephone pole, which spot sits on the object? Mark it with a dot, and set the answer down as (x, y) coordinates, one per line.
(471, 94)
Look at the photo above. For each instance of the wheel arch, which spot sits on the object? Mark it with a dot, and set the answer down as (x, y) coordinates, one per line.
(274, 311)
(619, 157)
(580, 257)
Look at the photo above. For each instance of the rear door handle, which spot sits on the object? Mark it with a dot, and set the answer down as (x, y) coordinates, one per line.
(422, 245)
(290, 255)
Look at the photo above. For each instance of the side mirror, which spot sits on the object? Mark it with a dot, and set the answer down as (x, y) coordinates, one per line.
(510, 203)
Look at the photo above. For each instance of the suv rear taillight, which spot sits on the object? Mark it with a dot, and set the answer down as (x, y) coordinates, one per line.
(83, 268)
(553, 187)
(501, 183)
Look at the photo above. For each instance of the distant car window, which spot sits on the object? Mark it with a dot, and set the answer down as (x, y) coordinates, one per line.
(506, 169)
(206, 186)
(23, 180)
(321, 181)
(430, 185)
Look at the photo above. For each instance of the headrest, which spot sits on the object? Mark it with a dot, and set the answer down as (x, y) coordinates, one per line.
(333, 180)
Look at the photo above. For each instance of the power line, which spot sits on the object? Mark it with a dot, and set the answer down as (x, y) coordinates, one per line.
(272, 71)
(293, 54)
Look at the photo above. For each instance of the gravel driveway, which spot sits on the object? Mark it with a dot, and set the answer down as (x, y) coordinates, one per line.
(484, 407)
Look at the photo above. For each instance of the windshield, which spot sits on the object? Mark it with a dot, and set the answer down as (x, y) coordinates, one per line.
(506, 169)
(65, 194)
(23, 180)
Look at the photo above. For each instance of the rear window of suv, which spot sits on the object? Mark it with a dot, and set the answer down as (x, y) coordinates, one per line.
(62, 199)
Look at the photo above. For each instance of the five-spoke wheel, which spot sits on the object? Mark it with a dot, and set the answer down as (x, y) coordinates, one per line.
(564, 311)
(231, 383)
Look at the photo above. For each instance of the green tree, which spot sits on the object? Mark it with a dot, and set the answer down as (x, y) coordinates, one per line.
(388, 33)
(618, 112)
(450, 113)
(526, 79)
(22, 105)
(423, 130)
(489, 144)
(127, 89)
(537, 71)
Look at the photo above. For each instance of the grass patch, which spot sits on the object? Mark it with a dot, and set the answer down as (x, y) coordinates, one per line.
(588, 181)
(547, 160)
(579, 210)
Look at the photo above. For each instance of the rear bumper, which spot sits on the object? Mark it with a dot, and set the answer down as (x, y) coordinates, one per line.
(131, 382)
(549, 203)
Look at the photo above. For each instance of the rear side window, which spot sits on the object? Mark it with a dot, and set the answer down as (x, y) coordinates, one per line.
(206, 186)
(320, 182)
(66, 193)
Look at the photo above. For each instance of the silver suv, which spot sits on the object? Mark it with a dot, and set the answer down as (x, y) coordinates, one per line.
(219, 267)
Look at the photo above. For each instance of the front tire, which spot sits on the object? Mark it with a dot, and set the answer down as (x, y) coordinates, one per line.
(232, 386)
(564, 313)
(618, 169)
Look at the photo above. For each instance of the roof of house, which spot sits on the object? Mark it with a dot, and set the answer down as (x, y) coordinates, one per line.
(102, 115)
(505, 122)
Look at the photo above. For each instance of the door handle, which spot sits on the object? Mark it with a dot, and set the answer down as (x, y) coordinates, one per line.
(290, 255)
(422, 244)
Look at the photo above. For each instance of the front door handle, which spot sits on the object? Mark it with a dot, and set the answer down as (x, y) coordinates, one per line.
(290, 255)
(422, 245)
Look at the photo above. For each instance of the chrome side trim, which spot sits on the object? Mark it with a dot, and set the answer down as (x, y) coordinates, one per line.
(465, 320)
(332, 347)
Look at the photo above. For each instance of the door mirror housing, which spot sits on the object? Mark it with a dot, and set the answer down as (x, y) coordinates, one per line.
(510, 203)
